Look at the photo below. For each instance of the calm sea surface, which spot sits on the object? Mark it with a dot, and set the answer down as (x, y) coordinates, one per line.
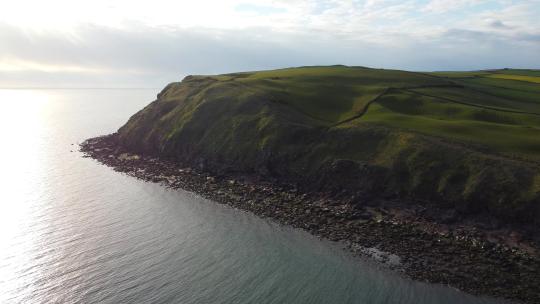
(74, 231)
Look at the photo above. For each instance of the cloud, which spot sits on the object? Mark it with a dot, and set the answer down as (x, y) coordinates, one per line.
(444, 6)
(259, 9)
(139, 51)
(498, 24)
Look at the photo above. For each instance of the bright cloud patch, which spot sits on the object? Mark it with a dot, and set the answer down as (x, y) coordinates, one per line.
(125, 42)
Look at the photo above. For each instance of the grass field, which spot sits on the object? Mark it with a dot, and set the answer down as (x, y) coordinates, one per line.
(331, 94)
(534, 79)
(498, 110)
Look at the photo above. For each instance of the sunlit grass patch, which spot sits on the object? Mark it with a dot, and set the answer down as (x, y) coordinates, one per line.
(533, 79)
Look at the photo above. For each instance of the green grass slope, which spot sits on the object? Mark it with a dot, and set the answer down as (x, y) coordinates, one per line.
(469, 140)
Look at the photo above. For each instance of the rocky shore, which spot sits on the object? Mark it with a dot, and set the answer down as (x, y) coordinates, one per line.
(476, 255)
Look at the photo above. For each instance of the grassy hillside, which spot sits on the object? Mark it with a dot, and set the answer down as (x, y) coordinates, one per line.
(469, 140)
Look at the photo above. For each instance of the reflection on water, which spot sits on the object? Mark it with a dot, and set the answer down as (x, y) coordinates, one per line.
(73, 231)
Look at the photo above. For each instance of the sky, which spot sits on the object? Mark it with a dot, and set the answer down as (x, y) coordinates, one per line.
(128, 43)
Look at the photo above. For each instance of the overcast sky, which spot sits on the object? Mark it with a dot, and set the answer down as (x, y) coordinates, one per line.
(126, 43)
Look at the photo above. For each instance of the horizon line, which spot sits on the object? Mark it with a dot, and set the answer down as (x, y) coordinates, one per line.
(77, 88)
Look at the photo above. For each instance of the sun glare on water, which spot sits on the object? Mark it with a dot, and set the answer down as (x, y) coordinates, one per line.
(21, 138)
(21, 135)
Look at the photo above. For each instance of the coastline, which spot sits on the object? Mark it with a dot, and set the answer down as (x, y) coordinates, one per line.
(490, 262)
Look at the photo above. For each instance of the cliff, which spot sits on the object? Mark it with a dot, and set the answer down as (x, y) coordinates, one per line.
(468, 141)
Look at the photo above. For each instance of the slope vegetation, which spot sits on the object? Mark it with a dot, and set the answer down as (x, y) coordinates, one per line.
(467, 140)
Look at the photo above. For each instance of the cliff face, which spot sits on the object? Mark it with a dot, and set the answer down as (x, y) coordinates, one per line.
(323, 129)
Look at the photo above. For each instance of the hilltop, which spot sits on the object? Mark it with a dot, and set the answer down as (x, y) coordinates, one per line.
(463, 140)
